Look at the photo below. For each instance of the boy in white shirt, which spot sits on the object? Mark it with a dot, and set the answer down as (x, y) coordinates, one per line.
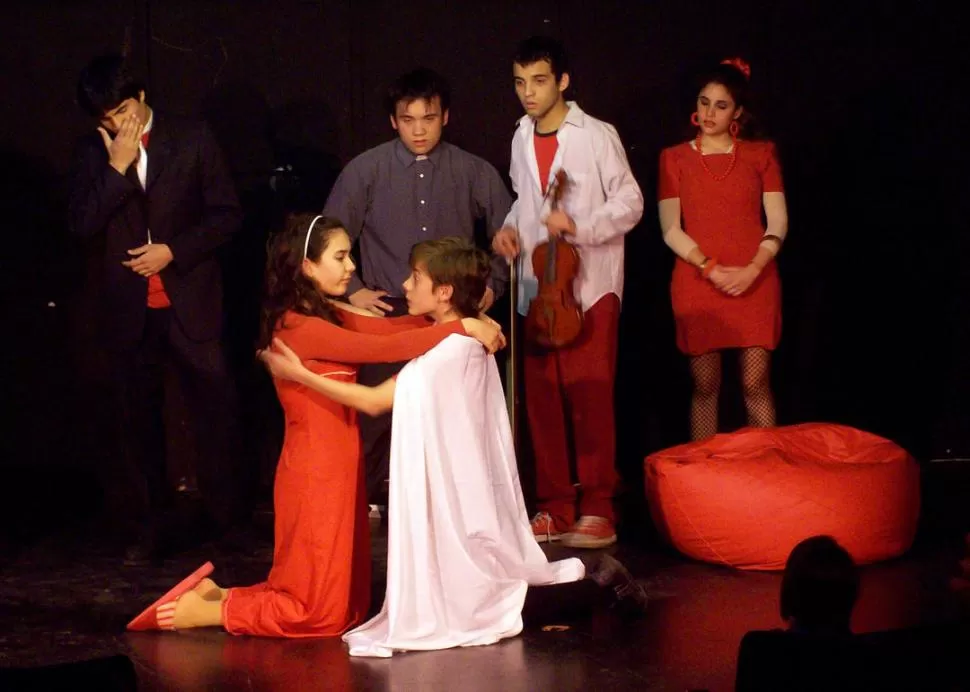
(569, 390)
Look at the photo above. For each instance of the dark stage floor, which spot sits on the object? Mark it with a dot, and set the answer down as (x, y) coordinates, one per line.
(66, 598)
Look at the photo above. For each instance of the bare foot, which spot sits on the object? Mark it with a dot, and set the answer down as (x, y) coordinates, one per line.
(210, 591)
(190, 610)
(165, 614)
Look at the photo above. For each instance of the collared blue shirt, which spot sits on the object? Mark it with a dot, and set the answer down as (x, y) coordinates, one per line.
(390, 200)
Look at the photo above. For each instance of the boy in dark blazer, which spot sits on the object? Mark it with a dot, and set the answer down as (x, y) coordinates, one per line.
(154, 192)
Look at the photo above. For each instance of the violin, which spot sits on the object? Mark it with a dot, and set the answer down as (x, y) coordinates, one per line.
(555, 318)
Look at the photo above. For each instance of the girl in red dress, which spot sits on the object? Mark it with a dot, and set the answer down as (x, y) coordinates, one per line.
(319, 584)
(725, 288)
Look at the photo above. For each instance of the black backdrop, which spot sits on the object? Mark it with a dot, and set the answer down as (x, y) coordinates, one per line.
(866, 101)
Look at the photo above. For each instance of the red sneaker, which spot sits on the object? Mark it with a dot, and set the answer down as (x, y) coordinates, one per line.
(545, 528)
(590, 532)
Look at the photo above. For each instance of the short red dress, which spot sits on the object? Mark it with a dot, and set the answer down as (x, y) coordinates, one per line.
(724, 217)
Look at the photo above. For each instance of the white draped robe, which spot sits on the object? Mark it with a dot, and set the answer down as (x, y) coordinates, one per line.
(461, 553)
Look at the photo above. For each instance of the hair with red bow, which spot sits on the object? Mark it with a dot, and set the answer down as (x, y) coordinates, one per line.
(734, 75)
(740, 64)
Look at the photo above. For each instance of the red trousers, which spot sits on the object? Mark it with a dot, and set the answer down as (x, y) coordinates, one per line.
(569, 392)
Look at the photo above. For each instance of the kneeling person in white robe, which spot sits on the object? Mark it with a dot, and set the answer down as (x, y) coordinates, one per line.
(461, 553)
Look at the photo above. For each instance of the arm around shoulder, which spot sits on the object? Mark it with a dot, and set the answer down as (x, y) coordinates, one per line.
(284, 363)
(372, 401)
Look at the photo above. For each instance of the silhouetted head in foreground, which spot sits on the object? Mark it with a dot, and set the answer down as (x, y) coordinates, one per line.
(819, 587)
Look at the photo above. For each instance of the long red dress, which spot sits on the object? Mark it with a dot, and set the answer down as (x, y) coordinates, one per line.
(319, 585)
(724, 217)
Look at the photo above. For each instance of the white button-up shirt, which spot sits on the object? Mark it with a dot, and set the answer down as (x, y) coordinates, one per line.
(141, 167)
(603, 199)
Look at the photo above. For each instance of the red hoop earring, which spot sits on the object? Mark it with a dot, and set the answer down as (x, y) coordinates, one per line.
(694, 120)
(734, 128)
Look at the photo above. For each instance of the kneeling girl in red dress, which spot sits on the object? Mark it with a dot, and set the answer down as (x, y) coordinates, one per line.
(319, 584)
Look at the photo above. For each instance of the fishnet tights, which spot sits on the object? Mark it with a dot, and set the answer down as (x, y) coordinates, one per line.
(755, 383)
(706, 371)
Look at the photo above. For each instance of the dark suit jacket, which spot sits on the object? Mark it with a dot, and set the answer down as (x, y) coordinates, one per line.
(189, 203)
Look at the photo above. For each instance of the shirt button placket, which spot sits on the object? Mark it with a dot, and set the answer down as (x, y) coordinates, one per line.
(423, 189)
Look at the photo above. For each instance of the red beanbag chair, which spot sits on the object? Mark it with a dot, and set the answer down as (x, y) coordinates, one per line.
(745, 499)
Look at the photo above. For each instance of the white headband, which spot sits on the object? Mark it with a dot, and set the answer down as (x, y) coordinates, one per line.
(306, 243)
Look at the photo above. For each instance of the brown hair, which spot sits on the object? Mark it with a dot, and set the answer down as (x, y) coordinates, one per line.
(455, 262)
(287, 287)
